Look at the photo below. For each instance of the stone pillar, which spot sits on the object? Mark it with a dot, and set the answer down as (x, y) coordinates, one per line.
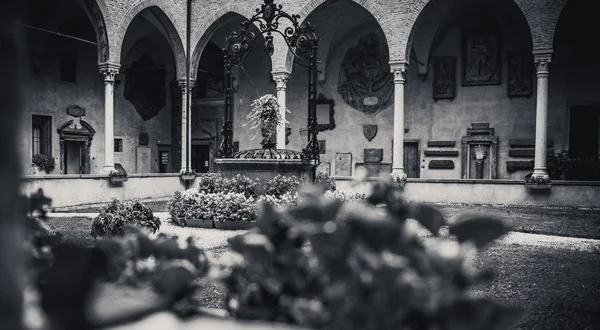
(399, 71)
(281, 78)
(109, 70)
(186, 125)
(542, 61)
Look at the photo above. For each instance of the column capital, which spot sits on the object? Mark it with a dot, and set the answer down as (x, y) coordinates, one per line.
(109, 70)
(182, 82)
(399, 69)
(542, 59)
(281, 78)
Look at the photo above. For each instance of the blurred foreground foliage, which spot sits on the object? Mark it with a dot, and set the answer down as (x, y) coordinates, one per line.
(329, 264)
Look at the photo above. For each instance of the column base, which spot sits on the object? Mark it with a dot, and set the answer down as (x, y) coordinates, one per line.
(538, 177)
(187, 174)
(399, 176)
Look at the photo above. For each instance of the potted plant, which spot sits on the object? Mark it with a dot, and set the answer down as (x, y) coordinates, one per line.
(399, 179)
(43, 163)
(233, 211)
(118, 174)
(265, 117)
(187, 174)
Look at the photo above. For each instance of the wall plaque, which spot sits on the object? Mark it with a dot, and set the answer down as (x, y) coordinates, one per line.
(321, 146)
(481, 62)
(144, 139)
(444, 78)
(143, 162)
(373, 155)
(373, 170)
(441, 164)
(343, 164)
(366, 82)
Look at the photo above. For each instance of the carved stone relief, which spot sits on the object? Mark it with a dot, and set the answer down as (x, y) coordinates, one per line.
(444, 78)
(370, 131)
(145, 87)
(366, 82)
(520, 73)
(481, 55)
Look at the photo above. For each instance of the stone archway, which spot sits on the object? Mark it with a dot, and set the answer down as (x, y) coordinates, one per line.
(75, 133)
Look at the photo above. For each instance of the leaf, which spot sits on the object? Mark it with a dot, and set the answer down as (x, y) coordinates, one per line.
(267, 219)
(479, 229)
(255, 247)
(377, 230)
(428, 216)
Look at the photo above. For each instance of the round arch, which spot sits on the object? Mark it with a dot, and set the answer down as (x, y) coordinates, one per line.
(216, 19)
(541, 17)
(155, 6)
(285, 63)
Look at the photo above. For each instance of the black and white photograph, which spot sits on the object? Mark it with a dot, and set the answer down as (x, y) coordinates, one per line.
(299, 165)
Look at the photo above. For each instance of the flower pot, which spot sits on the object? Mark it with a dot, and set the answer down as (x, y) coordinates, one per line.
(235, 225)
(188, 176)
(117, 179)
(199, 223)
(180, 221)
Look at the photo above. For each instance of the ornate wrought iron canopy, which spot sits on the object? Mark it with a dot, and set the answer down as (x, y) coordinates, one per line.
(303, 43)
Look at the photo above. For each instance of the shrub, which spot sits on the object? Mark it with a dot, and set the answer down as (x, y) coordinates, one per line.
(175, 206)
(240, 184)
(210, 183)
(284, 201)
(366, 268)
(231, 207)
(325, 182)
(280, 185)
(113, 219)
(218, 206)
(345, 196)
(44, 162)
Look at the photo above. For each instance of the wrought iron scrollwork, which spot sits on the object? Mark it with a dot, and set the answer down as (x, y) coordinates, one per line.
(302, 42)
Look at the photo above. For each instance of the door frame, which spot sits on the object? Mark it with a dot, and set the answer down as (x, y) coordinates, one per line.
(84, 134)
(418, 142)
(210, 142)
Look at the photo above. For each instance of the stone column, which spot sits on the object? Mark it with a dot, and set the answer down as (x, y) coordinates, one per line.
(186, 125)
(542, 61)
(281, 78)
(109, 70)
(399, 71)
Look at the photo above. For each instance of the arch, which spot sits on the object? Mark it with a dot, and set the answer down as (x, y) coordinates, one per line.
(155, 6)
(96, 11)
(216, 19)
(541, 16)
(370, 6)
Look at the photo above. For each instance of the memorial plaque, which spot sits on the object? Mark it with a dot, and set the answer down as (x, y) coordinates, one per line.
(441, 153)
(373, 170)
(321, 146)
(441, 164)
(324, 168)
(373, 155)
(441, 144)
(144, 139)
(343, 164)
(143, 162)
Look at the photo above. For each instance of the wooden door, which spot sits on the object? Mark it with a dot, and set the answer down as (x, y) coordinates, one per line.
(411, 159)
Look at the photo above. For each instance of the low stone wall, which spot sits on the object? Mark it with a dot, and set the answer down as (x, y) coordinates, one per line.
(581, 194)
(72, 190)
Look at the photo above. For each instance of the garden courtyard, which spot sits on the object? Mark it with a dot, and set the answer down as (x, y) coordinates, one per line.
(549, 263)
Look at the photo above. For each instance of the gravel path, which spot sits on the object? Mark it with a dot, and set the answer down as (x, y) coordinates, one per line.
(213, 238)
